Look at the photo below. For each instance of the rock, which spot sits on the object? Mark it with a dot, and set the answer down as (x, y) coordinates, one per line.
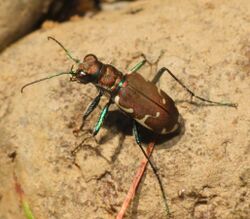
(19, 17)
(205, 45)
(62, 10)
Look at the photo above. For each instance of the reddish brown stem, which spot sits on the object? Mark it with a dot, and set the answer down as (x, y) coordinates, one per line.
(136, 181)
(18, 188)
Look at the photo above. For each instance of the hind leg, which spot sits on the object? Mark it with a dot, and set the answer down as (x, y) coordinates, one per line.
(164, 69)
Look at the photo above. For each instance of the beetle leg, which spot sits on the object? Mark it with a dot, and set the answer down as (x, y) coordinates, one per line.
(102, 117)
(138, 141)
(137, 66)
(89, 110)
(91, 107)
(162, 70)
(141, 63)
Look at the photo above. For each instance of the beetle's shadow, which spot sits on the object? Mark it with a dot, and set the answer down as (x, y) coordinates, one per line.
(119, 123)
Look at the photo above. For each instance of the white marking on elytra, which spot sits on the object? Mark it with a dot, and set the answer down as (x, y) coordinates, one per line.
(127, 110)
(164, 131)
(143, 120)
(117, 98)
(176, 126)
(163, 100)
(159, 90)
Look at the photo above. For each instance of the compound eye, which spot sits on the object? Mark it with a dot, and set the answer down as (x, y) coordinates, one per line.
(82, 73)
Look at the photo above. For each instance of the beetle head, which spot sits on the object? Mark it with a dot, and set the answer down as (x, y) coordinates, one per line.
(88, 70)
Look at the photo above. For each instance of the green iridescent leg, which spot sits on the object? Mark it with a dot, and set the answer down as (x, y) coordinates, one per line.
(137, 66)
(138, 141)
(91, 108)
(102, 117)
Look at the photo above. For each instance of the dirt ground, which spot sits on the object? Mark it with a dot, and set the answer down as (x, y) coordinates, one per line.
(205, 170)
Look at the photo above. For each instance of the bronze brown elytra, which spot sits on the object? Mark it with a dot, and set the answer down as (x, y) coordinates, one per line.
(141, 100)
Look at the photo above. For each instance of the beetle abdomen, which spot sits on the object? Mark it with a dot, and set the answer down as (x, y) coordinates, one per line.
(148, 105)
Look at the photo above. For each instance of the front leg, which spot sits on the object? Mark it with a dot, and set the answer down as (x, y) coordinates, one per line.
(89, 110)
(102, 117)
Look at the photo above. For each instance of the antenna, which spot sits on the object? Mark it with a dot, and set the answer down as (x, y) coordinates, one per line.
(67, 51)
(47, 78)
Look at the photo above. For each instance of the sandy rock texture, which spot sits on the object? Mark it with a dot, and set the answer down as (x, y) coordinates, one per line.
(205, 170)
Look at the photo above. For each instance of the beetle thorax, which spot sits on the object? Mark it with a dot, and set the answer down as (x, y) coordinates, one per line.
(110, 77)
(102, 75)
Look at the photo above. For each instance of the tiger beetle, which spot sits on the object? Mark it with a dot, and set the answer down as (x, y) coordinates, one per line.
(138, 98)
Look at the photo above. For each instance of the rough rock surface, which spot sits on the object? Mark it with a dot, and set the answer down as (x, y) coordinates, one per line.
(205, 170)
(18, 17)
